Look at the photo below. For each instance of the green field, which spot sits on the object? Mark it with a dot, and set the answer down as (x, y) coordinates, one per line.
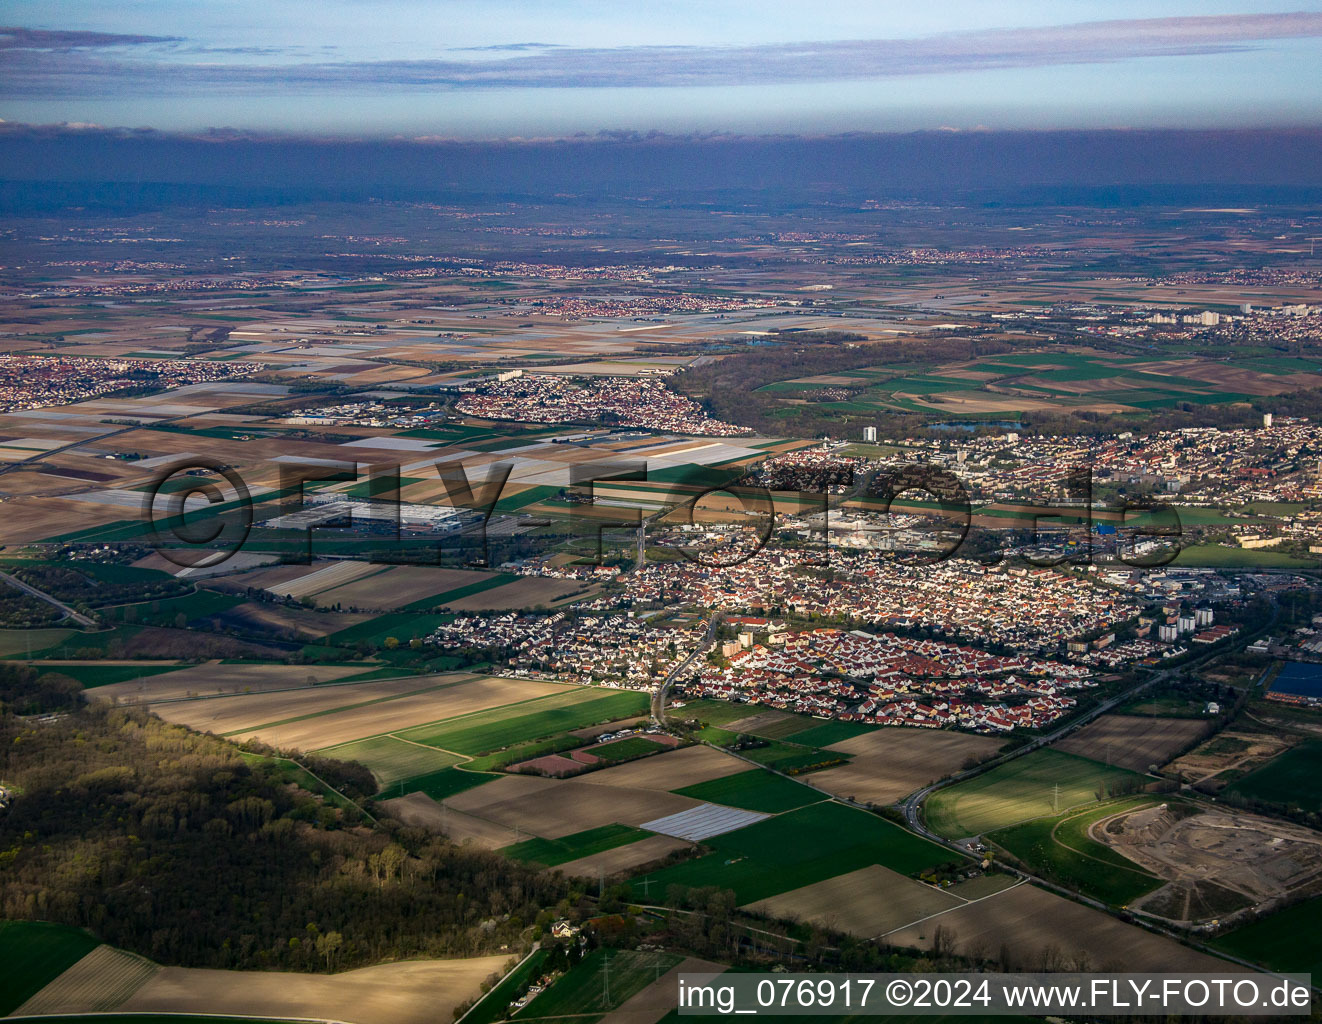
(486, 731)
(1290, 780)
(554, 852)
(1288, 940)
(33, 954)
(291, 771)
(1058, 848)
(403, 626)
(21, 641)
(754, 790)
(823, 734)
(447, 782)
(628, 748)
(580, 994)
(798, 848)
(1022, 789)
(1217, 557)
(392, 760)
(493, 1005)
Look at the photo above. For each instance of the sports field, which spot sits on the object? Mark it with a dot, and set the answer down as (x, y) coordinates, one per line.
(33, 954)
(1037, 784)
(503, 727)
(798, 848)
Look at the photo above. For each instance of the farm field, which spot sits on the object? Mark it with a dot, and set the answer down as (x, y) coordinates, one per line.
(889, 763)
(1128, 741)
(554, 852)
(20, 641)
(753, 790)
(1288, 940)
(580, 992)
(555, 808)
(467, 696)
(394, 587)
(799, 848)
(411, 992)
(623, 859)
(234, 713)
(1030, 923)
(392, 760)
(670, 771)
(865, 903)
(221, 677)
(100, 981)
(96, 674)
(505, 727)
(522, 592)
(34, 954)
(1059, 849)
(1289, 780)
(1033, 786)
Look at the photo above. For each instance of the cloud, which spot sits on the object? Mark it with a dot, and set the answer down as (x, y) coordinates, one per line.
(55, 68)
(41, 39)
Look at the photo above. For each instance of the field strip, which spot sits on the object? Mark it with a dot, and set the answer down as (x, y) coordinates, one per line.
(345, 707)
(458, 718)
(966, 903)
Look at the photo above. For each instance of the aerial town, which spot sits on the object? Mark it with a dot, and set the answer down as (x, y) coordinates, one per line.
(518, 513)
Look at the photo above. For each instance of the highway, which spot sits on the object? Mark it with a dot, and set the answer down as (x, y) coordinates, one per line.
(41, 595)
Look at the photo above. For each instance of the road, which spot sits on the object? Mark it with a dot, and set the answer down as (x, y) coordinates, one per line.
(41, 595)
(659, 697)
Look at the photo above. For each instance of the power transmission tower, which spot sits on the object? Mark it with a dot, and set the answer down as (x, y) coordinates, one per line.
(606, 980)
(1055, 799)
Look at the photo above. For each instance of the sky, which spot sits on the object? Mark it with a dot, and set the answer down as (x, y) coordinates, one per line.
(536, 69)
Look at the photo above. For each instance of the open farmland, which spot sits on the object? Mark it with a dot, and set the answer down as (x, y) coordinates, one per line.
(580, 993)
(1037, 930)
(799, 848)
(1037, 784)
(465, 697)
(217, 677)
(890, 763)
(412, 992)
(670, 771)
(1288, 780)
(392, 760)
(494, 730)
(865, 903)
(754, 790)
(520, 593)
(1128, 741)
(390, 588)
(555, 808)
(553, 852)
(100, 981)
(233, 713)
(624, 859)
(1288, 940)
(35, 953)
